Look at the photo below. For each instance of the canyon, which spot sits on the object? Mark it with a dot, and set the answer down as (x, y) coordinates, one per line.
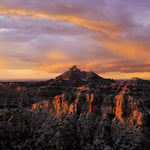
(77, 110)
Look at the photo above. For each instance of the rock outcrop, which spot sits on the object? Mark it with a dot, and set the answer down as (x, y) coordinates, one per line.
(78, 111)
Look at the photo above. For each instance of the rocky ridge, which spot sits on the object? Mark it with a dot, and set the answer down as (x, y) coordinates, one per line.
(78, 110)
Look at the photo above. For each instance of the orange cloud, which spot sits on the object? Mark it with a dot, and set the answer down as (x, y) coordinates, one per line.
(109, 65)
(126, 48)
(126, 68)
(25, 74)
(121, 75)
(108, 29)
(57, 55)
(3, 64)
(56, 67)
(147, 59)
(110, 37)
(147, 68)
(111, 30)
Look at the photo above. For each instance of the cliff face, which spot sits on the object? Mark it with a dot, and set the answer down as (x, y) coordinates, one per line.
(127, 109)
(122, 105)
(78, 110)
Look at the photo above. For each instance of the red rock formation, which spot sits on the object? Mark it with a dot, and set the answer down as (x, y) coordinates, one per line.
(78, 109)
(73, 106)
(60, 105)
(122, 105)
(134, 116)
(129, 114)
(41, 105)
(90, 99)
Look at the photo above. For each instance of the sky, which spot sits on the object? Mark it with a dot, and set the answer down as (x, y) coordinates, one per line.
(39, 39)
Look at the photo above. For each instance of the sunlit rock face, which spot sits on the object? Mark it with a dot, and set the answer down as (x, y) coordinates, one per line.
(122, 106)
(120, 102)
(127, 108)
(78, 110)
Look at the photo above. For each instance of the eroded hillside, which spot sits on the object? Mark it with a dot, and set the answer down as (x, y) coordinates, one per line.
(78, 111)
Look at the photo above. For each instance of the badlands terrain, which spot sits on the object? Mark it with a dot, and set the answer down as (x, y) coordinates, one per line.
(76, 111)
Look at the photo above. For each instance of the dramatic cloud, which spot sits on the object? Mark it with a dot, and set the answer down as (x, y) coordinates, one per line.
(101, 35)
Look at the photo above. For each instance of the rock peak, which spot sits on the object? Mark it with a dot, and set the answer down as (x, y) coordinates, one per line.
(77, 75)
(74, 68)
